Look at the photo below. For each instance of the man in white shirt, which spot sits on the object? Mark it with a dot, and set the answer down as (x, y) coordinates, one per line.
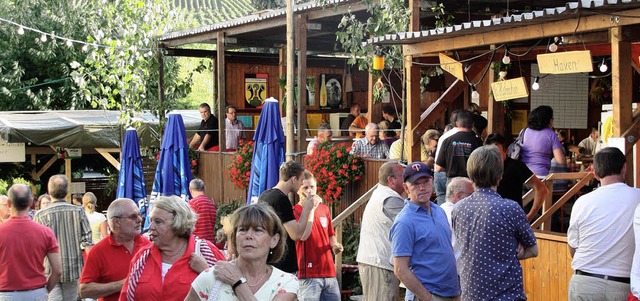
(590, 144)
(440, 177)
(600, 234)
(374, 252)
(234, 129)
(324, 135)
(458, 189)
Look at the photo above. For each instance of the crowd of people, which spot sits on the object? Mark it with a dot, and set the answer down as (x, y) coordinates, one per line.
(451, 226)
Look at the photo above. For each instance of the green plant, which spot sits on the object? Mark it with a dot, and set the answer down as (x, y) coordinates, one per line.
(226, 209)
(442, 18)
(350, 242)
(4, 186)
(601, 91)
(380, 91)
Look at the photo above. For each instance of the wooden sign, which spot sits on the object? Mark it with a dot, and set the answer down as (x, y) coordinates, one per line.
(509, 89)
(452, 66)
(12, 152)
(565, 62)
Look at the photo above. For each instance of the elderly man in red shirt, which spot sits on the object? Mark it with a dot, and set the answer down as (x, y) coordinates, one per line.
(205, 209)
(108, 262)
(25, 244)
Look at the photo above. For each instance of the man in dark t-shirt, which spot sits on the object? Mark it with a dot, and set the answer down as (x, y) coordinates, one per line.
(290, 181)
(207, 137)
(456, 149)
(353, 113)
(515, 175)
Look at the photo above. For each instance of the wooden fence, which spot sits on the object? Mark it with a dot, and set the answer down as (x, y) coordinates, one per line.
(547, 276)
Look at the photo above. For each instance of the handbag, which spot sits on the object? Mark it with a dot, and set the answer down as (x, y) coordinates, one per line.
(515, 148)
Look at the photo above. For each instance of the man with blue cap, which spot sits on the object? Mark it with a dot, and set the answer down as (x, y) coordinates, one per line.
(421, 240)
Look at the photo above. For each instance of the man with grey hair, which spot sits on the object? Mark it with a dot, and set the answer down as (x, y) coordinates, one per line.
(324, 135)
(4, 208)
(108, 262)
(493, 232)
(374, 252)
(25, 245)
(458, 189)
(206, 210)
(371, 146)
(58, 216)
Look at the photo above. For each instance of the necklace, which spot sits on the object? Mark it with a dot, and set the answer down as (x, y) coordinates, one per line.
(177, 252)
(260, 280)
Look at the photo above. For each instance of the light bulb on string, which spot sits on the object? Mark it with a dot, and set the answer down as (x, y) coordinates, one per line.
(20, 30)
(603, 66)
(85, 48)
(475, 96)
(69, 43)
(536, 85)
(506, 59)
(43, 38)
(553, 47)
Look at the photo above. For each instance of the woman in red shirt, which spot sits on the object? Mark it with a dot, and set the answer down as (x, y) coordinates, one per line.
(165, 269)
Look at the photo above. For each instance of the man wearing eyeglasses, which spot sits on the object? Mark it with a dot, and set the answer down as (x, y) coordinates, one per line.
(108, 262)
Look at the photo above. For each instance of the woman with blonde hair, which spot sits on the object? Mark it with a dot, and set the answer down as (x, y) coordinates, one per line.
(257, 241)
(165, 269)
(97, 220)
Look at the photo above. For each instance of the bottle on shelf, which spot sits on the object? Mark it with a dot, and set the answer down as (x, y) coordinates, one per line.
(323, 93)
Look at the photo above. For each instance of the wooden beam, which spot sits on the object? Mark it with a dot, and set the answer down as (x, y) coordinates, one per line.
(67, 173)
(115, 163)
(621, 90)
(510, 34)
(222, 91)
(413, 111)
(46, 167)
(436, 109)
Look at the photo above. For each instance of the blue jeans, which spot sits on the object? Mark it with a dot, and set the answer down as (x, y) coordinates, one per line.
(319, 289)
(440, 186)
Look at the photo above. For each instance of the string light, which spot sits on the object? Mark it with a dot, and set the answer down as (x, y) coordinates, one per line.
(536, 85)
(506, 59)
(475, 96)
(43, 37)
(553, 47)
(85, 48)
(603, 66)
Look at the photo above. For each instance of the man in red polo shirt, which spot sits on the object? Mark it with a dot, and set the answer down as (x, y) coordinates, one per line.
(25, 244)
(108, 262)
(205, 209)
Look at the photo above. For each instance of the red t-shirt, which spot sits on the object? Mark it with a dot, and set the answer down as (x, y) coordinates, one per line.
(315, 259)
(177, 282)
(206, 210)
(24, 244)
(109, 261)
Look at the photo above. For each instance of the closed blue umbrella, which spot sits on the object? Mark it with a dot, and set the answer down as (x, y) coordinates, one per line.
(173, 173)
(131, 177)
(268, 151)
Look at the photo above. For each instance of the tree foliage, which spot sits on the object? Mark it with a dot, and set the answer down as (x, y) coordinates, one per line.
(387, 16)
(118, 70)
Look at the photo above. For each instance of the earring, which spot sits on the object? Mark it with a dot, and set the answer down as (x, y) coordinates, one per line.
(271, 252)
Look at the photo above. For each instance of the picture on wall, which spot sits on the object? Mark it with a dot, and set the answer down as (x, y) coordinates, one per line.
(311, 90)
(255, 89)
(330, 91)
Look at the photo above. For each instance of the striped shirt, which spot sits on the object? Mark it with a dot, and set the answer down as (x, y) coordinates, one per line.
(206, 211)
(71, 227)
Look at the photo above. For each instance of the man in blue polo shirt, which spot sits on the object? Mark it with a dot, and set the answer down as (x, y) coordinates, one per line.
(421, 241)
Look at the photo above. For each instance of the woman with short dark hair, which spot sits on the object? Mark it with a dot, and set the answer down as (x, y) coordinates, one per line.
(541, 143)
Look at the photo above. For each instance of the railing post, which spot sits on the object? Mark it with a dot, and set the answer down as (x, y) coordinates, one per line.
(338, 257)
(546, 225)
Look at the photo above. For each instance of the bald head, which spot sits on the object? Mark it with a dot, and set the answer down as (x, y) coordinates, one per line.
(20, 197)
(459, 188)
(4, 208)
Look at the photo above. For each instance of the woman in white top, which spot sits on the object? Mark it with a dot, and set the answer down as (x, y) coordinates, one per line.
(97, 220)
(257, 240)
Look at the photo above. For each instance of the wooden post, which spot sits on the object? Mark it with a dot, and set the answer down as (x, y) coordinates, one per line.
(289, 133)
(301, 41)
(338, 257)
(67, 173)
(413, 109)
(621, 88)
(221, 89)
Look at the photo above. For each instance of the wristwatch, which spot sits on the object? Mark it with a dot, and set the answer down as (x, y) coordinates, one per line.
(240, 281)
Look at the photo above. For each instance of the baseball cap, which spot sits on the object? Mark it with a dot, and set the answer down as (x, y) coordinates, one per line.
(416, 170)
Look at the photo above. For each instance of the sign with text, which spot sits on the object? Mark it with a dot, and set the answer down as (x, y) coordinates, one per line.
(452, 66)
(509, 89)
(565, 62)
(12, 152)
